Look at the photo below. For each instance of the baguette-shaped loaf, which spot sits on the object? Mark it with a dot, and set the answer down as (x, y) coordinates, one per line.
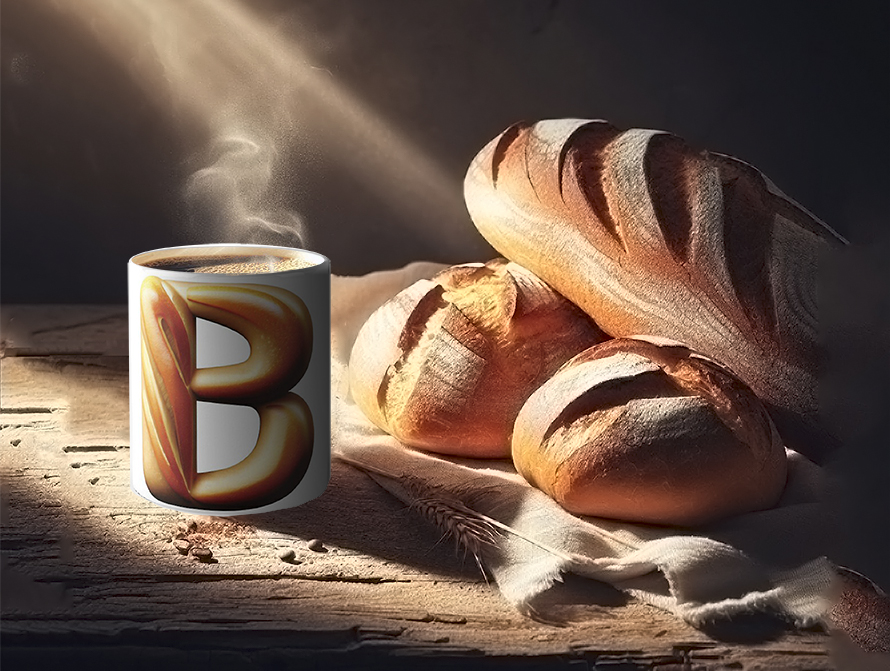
(649, 236)
(446, 364)
(646, 430)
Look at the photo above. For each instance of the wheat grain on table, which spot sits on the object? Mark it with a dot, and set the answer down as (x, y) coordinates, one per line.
(91, 572)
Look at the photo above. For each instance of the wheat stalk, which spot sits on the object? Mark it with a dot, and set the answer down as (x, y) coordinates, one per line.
(477, 533)
(469, 529)
(411, 489)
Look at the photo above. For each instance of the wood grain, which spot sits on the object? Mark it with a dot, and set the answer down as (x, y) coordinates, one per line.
(90, 576)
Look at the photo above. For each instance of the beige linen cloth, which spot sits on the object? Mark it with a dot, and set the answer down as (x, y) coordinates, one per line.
(765, 561)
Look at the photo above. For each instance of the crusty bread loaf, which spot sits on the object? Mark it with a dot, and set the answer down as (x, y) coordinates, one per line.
(649, 236)
(447, 363)
(646, 430)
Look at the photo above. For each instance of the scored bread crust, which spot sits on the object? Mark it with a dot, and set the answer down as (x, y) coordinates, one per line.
(649, 236)
(646, 430)
(447, 363)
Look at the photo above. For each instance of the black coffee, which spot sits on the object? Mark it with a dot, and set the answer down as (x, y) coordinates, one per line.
(229, 264)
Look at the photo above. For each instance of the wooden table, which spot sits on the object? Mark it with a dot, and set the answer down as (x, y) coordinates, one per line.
(90, 574)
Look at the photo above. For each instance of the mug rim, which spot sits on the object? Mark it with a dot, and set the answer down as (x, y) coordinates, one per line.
(180, 251)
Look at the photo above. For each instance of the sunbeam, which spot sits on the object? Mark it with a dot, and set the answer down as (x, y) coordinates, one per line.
(256, 90)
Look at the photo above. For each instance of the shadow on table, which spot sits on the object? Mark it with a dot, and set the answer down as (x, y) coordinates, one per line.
(748, 628)
(355, 513)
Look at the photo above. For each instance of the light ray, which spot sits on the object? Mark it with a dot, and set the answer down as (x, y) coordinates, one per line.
(254, 88)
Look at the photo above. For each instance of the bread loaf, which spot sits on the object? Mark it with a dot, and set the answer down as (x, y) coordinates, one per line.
(650, 236)
(447, 363)
(649, 431)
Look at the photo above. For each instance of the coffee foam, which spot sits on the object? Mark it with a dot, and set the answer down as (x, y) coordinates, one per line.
(267, 265)
(230, 264)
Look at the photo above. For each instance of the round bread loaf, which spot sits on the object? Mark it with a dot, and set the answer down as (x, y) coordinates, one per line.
(446, 364)
(646, 430)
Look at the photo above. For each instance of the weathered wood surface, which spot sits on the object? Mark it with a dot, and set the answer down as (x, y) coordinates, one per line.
(90, 573)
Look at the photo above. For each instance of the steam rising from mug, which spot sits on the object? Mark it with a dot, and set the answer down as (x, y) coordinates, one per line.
(247, 83)
(229, 198)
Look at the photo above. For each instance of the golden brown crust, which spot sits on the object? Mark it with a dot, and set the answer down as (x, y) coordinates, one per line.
(446, 364)
(649, 432)
(648, 235)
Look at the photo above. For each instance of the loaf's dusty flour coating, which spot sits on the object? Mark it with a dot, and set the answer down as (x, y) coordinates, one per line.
(649, 236)
(648, 431)
(447, 363)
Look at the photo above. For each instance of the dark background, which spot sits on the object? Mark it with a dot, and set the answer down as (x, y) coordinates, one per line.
(93, 170)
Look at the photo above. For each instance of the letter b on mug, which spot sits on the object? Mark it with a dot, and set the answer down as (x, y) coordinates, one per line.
(280, 330)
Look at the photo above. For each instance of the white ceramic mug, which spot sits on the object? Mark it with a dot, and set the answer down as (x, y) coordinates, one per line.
(229, 377)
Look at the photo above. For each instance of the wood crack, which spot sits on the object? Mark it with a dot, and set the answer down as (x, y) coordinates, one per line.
(94, 448)
(134, 578)
(29, 410)
(110, 319)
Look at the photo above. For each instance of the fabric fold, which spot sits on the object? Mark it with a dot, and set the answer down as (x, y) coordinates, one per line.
(766, 561)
